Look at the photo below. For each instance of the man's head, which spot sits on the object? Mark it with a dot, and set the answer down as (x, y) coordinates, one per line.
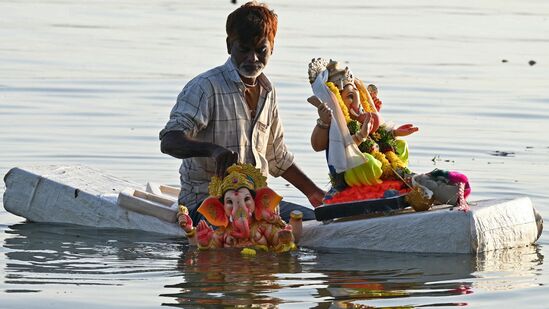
(250, 37)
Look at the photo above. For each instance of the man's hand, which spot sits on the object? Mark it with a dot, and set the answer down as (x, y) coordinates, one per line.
(223, 159)
(316, 198)
(299, 180)
(405, 130)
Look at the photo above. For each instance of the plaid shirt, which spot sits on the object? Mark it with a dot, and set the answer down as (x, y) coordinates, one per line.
(212, 108)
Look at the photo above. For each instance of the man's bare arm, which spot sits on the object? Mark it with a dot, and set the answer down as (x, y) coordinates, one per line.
(179, 145)
(299, 180)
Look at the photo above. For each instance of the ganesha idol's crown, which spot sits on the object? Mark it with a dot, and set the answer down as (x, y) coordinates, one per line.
(340, 77)
(239, 176)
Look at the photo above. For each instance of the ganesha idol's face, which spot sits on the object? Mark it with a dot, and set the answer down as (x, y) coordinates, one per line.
(239, 206)
(351, 97)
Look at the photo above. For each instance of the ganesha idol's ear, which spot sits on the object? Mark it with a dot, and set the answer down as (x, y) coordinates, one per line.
(265, 199)
(212, 209)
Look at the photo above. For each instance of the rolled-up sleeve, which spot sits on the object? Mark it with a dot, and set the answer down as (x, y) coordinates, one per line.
(191, 113)
(278, 155)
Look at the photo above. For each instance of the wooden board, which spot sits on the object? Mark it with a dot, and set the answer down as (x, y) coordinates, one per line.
(149, 204)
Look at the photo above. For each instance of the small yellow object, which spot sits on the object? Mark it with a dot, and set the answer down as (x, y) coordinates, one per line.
(248, 252)
(286, 248)
(296, 214)
(183, 209)
(261, 248)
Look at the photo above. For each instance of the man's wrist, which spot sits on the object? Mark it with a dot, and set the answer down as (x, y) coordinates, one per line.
(215, 150)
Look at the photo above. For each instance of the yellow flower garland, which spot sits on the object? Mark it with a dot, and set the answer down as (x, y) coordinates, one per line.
(389, 163)
(363, 97)
(396, 162)
(344, 109)
(385, 165)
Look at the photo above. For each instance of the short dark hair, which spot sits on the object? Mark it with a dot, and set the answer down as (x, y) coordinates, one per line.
(252, 22)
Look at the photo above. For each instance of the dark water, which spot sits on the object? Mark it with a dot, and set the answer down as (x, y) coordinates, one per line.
(93, 82)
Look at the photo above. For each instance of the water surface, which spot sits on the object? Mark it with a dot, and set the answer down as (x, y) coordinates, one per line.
(93, 82)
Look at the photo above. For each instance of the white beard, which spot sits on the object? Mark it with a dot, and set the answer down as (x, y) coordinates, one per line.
(247, 74)
(250, 74)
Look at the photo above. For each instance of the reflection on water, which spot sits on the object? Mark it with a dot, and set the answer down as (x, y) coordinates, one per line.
(227, 278)
(345, 279)
(42, 257)
(45, 254)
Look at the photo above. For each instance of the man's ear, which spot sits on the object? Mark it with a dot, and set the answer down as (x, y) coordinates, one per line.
(228, 46)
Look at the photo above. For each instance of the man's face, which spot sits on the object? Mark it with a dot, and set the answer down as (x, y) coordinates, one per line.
(250, 58)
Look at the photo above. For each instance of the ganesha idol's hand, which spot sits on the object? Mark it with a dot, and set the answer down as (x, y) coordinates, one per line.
(284, 240)
(324, 112)
(204, 234)
(405, 130)
(315, 101)
(370, 123)
(269, 216)
(184, 220)
(285, 236)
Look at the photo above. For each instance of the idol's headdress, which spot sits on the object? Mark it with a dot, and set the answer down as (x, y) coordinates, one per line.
(340, 77)
(239, 176)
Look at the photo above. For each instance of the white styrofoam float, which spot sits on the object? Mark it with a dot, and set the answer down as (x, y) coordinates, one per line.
(85, 196)
(77, 195)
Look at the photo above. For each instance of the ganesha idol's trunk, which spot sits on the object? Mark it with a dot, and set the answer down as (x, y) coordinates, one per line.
(241, 226)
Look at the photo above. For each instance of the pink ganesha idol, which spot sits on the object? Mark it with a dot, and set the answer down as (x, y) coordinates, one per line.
(245, 214)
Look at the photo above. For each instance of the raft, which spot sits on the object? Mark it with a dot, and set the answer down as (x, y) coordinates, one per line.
(89, 197)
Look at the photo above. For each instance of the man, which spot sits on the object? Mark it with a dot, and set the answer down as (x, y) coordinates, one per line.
(229, 114)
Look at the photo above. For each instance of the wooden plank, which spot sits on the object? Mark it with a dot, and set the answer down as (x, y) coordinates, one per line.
(163, 190)
(148, 204)
(154, 198)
